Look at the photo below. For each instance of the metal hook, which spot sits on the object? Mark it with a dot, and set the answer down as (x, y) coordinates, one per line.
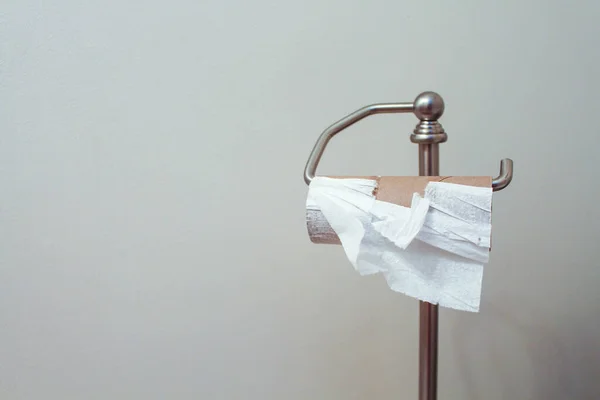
(429, 130)
(505, 177)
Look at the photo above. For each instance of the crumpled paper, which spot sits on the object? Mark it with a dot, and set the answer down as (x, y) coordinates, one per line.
(433, 250)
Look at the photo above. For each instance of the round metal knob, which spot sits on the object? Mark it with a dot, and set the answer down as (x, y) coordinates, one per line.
(429, 106)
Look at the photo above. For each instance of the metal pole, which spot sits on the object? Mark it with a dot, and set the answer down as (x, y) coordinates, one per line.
(428, 313)
(428, 107)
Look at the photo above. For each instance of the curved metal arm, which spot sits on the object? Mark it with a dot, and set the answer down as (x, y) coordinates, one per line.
(505, 177)
(498, 183)
(315, 156)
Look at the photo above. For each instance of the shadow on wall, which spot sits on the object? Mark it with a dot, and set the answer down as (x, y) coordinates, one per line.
(555, 361)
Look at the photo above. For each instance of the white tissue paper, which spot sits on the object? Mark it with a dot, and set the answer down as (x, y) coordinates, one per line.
(434, 250)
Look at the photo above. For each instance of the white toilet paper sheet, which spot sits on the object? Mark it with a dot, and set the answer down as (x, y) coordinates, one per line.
(434, 250)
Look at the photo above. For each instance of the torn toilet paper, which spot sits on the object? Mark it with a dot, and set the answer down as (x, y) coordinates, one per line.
(434, 250)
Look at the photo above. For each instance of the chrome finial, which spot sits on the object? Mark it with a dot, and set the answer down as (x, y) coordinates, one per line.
(428, 107)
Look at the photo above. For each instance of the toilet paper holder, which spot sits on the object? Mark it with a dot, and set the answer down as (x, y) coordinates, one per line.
(428, 107)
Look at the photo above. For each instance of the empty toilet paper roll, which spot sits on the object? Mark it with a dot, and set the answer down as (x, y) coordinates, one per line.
(392, 189)
(429, 236)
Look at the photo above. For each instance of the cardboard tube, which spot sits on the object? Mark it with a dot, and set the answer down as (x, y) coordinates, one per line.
(393, 189)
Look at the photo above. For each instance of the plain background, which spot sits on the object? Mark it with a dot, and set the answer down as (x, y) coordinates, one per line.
(152, 230)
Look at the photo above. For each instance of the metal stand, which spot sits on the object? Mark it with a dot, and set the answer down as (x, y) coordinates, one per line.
(428, 134)
(428, 107)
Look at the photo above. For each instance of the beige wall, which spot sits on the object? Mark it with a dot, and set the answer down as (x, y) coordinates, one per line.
(151, 197)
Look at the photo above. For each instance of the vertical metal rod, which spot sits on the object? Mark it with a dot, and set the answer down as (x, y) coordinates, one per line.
(428, 313)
